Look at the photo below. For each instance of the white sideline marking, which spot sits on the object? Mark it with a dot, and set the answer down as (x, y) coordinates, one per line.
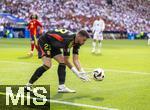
(82, 105)
(120, 71)
(18, 62)
(72, 104)
(109, 70)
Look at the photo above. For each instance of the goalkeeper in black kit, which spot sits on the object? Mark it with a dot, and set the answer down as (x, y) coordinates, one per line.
(50, 45)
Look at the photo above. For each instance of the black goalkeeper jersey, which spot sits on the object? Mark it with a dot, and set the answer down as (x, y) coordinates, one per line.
(61, 38)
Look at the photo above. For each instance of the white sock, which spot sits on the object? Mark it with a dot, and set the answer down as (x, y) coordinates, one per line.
(29, 84)
(94, 45)
(61, 86)
(100, 46)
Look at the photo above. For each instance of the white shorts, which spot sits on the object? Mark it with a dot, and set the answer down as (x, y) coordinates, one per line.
(98, 36)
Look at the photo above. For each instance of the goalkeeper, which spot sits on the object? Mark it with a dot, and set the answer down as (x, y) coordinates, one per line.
(50, 45)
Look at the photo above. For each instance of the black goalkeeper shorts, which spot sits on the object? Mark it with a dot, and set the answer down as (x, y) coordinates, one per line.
(46, 49)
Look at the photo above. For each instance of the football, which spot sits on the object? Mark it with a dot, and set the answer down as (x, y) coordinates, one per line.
(98, 74)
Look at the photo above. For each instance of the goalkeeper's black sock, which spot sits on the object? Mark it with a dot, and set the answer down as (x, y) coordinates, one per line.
(38, 73)
(61, 73)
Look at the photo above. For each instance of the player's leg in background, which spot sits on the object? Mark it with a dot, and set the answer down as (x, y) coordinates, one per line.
(35, 42)
(94, 42)
(39, 71)
(100, 43)
(94, 46)
(99, 46)
(61, 71)
(32, 45)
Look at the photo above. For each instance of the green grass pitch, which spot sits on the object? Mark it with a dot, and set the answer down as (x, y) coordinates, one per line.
(125, 87)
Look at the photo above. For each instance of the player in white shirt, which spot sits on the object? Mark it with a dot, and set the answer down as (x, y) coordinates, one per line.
(98, 28)
(148, 35)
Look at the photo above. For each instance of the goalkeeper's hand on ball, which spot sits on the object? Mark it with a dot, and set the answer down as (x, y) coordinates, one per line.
(83, 76)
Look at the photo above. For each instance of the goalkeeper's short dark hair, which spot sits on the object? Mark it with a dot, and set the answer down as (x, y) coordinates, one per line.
(84, 33)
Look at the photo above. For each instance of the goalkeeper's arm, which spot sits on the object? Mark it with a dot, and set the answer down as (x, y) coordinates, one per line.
(74, 69)
(77, 63)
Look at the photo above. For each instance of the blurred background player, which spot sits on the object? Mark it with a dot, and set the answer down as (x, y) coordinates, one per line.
(33, 28)
(50, 45)
(98, 28)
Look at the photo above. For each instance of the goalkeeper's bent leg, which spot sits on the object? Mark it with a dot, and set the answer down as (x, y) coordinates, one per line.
(38, 73)
(61, 73)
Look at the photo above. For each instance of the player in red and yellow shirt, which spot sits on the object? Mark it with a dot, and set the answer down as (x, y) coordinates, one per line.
(33, 28)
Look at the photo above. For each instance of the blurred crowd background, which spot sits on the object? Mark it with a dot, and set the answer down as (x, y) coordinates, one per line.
(119, 15)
